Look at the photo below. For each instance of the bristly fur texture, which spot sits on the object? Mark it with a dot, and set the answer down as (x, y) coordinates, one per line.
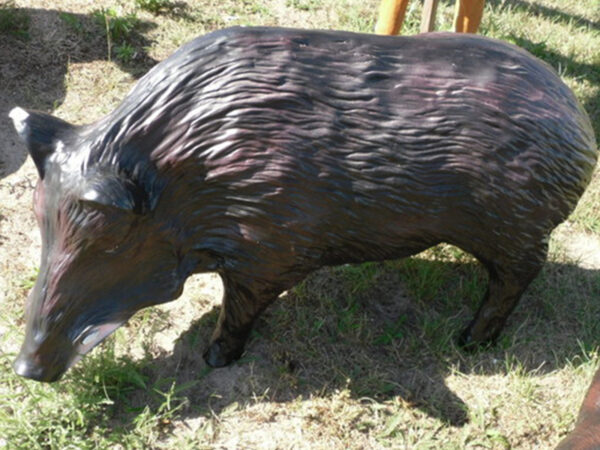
(265, 153)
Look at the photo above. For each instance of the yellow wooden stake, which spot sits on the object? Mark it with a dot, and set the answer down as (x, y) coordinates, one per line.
(391, 16)
(468, 15)
(428, 17)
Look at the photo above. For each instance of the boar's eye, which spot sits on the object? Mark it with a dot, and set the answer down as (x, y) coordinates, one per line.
(106, 230)
(107, 207)
(104, 199)
(114, 248)
(107, 190)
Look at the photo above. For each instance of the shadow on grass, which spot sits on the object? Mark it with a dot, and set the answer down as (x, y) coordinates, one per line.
(554, 14)
(381, 331)
(178, 10)
(36, 47)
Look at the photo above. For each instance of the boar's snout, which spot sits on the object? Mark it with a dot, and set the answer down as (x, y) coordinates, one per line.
(47, 357)
(41, 364)
(26, 366)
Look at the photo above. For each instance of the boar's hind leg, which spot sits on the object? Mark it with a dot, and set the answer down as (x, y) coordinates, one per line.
(505, 287)
(240, 307)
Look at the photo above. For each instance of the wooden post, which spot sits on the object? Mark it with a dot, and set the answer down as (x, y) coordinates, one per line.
(428, 17)
(468, 15)
(391, 16)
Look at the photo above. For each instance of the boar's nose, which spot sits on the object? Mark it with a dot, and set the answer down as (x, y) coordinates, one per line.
(28, 368)
(41, 365)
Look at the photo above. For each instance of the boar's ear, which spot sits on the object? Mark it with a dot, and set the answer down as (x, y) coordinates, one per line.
(41, 133)
(109, 190)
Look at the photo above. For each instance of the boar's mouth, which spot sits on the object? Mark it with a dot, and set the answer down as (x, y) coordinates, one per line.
(91, 337)
(49, 364)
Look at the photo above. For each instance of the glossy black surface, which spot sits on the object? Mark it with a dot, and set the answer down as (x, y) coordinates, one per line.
(265, 153)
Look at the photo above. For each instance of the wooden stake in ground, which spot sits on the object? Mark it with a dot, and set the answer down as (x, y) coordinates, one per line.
(391, 16)
(392, 12)
(428, 17)
(468, 15)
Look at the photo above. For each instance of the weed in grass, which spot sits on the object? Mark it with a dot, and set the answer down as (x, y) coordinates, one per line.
(159, 419)
(392, 332)
(304, 5)
(356, 19)
(438, 332)
(28, 281)
(154, 6)
(35, 415)
(102, 375)
(14, 21)
(359, 277)
(104, 385)
(392, 426)
(496, 437)
(172, 9)
(587, 213)
(349, 321)
(241, 13)
(119, 30)
(125, 52)
(72, 22)
(468, 285)
(424, 278)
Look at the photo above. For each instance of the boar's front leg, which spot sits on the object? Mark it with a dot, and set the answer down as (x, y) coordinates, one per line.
(241, 306)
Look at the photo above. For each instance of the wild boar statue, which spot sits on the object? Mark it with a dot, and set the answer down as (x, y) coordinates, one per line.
(263, 154)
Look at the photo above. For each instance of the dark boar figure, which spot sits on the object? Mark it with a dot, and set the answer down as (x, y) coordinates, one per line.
(586, 435)
(265, 153)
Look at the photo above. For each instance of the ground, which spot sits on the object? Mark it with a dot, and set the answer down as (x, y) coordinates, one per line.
(356, 356)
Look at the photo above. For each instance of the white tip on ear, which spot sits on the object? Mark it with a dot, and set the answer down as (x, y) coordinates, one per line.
(19, 117)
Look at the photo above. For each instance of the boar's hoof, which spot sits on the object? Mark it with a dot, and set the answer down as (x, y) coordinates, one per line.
(469, 343)
(466, 342)
(216, 356)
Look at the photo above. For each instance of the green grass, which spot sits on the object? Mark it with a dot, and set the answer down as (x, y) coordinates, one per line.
(356, 356)
(72, 22)
(120, 30)
(305, 5)
(155, 6)
(13, 22)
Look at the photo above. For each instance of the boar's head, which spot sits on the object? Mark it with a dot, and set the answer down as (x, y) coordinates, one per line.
(104, 256)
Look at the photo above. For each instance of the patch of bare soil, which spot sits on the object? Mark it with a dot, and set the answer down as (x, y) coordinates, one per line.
(578, 247)
(584, 249)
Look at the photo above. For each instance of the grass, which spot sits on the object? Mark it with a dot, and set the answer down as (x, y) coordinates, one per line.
(357, 356)
(156, 7)
(118, 30)
(13, 22)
